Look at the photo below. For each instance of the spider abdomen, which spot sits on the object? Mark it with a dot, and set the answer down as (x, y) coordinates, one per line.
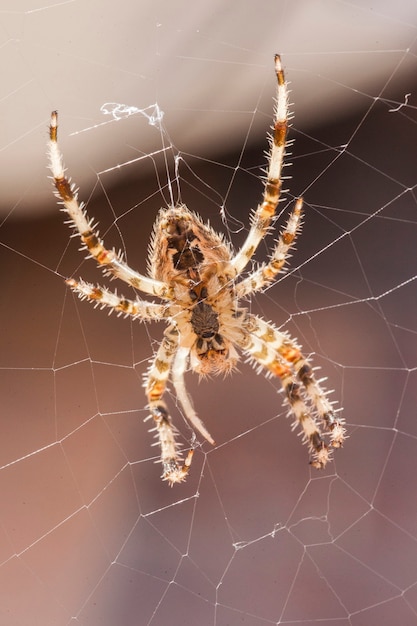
(183, 245)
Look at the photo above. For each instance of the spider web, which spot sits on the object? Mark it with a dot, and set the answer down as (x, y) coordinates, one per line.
(89, 533)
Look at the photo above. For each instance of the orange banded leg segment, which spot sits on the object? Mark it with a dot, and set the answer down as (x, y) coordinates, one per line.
(111, 261)
(278, 354)
(264, 214)
(272, 191)
(311, 432)
(267, 272)
(318, 397)
(102, 297)
(173, 469)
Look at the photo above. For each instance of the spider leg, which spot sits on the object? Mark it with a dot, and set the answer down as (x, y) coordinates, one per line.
(280, 355)
(178, 370)
(138, 309)
(111, 261)
(155, 383)
(264, 214)
(266, 272)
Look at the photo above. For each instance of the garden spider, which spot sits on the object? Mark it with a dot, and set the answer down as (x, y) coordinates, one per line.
(194, 272)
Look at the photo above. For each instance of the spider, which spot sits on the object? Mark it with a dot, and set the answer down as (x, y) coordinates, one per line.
(197, 277)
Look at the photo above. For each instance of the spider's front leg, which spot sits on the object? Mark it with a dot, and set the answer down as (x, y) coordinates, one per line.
(111, 261)
(264, 214)
(173, 469)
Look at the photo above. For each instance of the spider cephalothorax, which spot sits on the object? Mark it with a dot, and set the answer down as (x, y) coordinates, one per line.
(194, 272)
(209, 346)
(214, 336)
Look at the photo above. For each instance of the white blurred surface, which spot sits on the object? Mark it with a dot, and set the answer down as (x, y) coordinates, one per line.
(205, 63)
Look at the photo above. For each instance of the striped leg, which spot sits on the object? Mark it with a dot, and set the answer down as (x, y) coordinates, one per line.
(155, 383)
(138, 309)
(279, 355)
(265, 212)
(266, 273)
(111, 261)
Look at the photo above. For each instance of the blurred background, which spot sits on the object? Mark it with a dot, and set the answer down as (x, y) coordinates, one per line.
(162, 102)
